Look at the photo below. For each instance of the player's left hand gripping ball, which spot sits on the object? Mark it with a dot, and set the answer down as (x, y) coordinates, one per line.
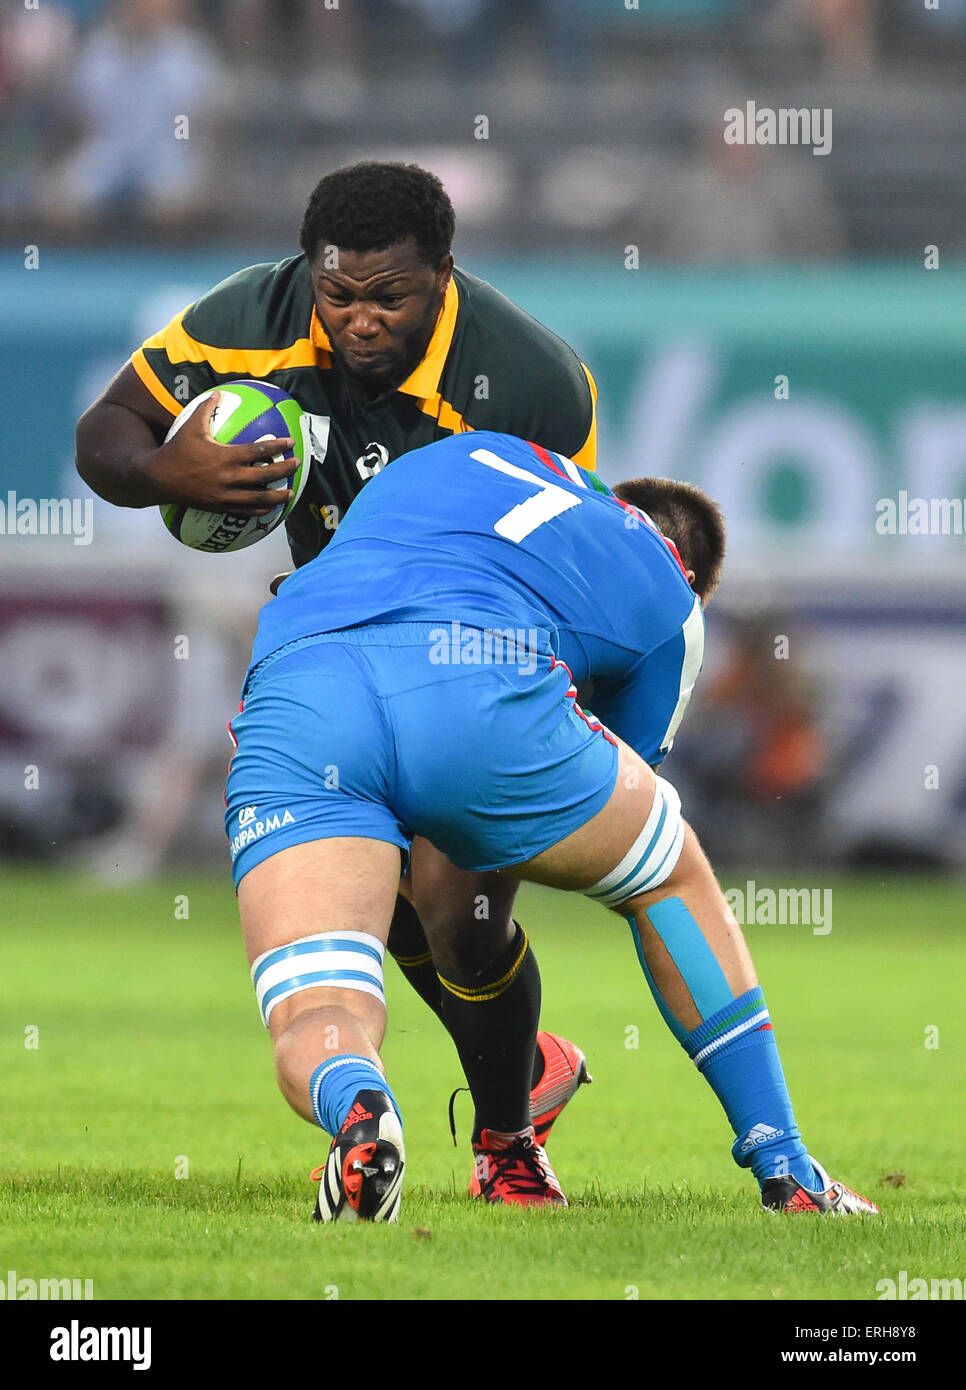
(247, 412)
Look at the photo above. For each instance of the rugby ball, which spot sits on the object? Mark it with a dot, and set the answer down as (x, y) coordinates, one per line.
(247, 413)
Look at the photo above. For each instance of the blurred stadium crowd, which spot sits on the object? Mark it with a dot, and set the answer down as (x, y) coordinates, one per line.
(166, 119)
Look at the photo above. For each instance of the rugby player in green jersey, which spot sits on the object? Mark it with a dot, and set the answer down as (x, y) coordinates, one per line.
(387, 346)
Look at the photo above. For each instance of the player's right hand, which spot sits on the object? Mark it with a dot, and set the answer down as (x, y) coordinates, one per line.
(194, 470)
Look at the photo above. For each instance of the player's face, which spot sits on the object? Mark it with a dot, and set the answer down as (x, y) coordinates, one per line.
(379, 309)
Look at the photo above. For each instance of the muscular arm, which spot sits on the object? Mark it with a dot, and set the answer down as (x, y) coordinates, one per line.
(121, 455)
(117, 439)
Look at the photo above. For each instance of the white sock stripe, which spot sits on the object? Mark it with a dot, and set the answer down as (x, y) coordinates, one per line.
(754, 1022)
(658, 854)
(668, 834)
(358, 938)
(362, 986)
(673, 857)
(662, 870)
(610, 881)
(662, 859)
(329, 1066)
(340, 960)
(345, 1061)
(322, 961)
(653, 872)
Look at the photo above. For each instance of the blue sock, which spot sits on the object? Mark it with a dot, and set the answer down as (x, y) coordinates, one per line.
(335, 1085)
(735, 1050)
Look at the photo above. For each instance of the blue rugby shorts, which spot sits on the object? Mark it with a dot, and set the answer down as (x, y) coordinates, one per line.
(365, 732)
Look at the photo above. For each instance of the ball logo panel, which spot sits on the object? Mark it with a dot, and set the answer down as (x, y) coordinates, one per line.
(248, 412)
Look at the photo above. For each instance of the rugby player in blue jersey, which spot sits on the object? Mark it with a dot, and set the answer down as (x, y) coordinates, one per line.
(418, 679)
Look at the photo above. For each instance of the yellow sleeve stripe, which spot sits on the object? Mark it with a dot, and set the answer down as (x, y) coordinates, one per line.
(140, 364)
(179, 346)
(586, 456)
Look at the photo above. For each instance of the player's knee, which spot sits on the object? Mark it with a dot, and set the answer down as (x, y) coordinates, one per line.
(407, 939)
(466, 933)
(653, 859)
(691, 867)
(463, 945)
(327, 964)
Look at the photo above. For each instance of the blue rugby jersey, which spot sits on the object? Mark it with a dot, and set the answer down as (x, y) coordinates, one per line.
(486, 531)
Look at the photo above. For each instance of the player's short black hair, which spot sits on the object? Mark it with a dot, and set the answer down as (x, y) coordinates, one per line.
(370, 206)
(689, 518)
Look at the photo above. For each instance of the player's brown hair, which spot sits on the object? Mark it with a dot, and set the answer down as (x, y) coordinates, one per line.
(689, 518)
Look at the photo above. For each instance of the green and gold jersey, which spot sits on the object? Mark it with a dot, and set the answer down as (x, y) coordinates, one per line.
(488, 366)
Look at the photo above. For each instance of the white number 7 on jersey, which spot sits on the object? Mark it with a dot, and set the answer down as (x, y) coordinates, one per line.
(519, 521)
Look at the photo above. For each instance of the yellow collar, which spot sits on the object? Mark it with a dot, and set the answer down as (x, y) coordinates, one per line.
(423, 380)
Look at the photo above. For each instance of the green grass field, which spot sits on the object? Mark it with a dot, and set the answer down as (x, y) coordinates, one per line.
(150, 1059)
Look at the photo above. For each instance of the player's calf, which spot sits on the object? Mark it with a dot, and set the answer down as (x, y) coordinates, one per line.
(490, 1004)
(695, 960)
(321, 996)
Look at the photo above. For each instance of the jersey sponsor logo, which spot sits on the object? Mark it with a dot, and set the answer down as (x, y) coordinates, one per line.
(251, 829)
(372, 461)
